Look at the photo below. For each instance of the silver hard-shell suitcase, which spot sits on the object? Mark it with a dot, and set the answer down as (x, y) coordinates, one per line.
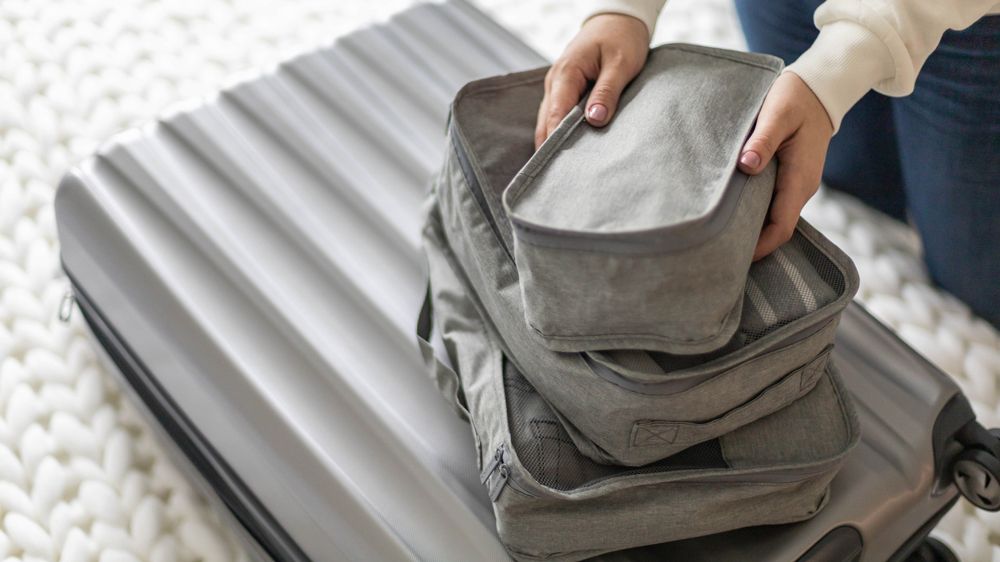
(250, 267)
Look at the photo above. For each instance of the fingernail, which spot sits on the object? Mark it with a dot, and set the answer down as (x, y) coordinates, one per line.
(597, 113)
(750, 159)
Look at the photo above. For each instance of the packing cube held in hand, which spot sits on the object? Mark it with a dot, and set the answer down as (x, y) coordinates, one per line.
(628, 406)
(639, 235)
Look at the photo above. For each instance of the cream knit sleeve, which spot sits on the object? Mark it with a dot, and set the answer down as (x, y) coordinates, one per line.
(645, 10)
(877, 44)
(862, 44)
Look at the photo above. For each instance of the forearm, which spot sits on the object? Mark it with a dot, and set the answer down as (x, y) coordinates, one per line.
(877, 44)
(644, 10)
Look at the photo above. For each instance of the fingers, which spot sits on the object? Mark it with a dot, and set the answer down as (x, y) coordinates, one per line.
(781, 220)
(543, 110)
(564, 86)
(768, 135)
(603, 100)
(608, 51)
(792, 189)
(771, 130)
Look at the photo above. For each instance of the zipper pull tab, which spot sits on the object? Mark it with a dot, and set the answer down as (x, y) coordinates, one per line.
(66, 307)
(494, 463)
(500, 483)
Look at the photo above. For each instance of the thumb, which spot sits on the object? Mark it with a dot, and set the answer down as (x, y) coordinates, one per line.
(603, 99)
(767, 136)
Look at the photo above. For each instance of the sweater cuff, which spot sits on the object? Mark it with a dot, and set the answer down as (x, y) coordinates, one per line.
(645, 11)
(842, 65)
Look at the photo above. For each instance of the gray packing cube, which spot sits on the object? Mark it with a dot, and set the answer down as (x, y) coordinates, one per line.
(554, 503)
(639, 235)
(626, 406)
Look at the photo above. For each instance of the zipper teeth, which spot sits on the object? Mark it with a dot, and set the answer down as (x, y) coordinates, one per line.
(530, 488)
(667, 387)
(514, 482)
(475, 186)
(786, 476)
(722, 478)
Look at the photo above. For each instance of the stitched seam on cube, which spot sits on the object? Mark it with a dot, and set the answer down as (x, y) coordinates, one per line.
(650, 435)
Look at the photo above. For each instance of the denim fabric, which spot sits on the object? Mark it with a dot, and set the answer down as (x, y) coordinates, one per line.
(934, 154)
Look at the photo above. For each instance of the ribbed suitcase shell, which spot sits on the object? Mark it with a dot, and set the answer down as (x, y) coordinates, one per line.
(326, 447)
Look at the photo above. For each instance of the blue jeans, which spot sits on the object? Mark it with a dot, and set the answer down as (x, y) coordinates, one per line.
(934, 154)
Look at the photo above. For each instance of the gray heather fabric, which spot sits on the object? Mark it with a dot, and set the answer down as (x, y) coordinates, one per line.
(612, 413)
(648, 215)
(552, 502)
(790, 284)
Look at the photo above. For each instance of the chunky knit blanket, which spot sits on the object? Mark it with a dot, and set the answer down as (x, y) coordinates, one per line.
(81, 475)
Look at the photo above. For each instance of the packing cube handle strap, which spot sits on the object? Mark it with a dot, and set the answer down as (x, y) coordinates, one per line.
(446, 378)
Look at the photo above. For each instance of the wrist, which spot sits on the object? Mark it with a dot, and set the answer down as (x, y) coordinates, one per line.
(646, 11)
(619, 29)
(842, 65)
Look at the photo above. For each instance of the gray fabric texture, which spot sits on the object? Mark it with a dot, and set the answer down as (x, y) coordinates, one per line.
(502, 138)
(669, 155)
(552, 502)
(787, 286)
(600, 411)
(649, 214)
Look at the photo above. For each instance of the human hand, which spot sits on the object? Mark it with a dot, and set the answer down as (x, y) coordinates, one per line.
(609, 50)
(793, 126)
